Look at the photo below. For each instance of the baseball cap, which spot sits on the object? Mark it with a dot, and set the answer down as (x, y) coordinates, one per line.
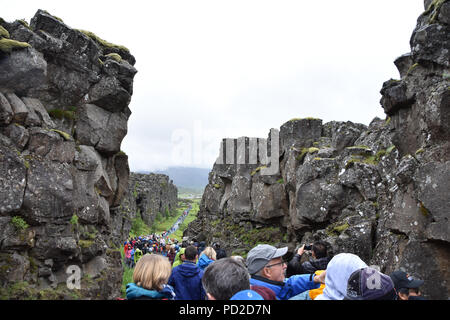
(247, 295)
(260, 255)
(370, 284)
(401, 280)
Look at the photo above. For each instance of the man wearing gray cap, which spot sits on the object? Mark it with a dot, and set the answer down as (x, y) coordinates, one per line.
(267, 268)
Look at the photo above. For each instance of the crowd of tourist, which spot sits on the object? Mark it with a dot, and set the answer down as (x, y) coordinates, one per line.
(166, 269)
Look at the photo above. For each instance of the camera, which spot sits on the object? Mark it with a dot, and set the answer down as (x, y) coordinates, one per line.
(307, 247)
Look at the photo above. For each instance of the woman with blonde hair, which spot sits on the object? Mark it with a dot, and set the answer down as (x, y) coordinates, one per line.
(207, 257)
(150, 278)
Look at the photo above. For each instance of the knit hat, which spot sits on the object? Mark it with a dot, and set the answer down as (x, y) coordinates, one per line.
(370, 284)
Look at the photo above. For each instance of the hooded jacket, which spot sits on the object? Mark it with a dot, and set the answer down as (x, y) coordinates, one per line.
(338, 271)
(290, 287)
(134, 292)
(204, 261)
(187, 282)
(178, 260)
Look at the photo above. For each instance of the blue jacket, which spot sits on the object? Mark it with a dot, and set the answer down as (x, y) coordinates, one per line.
(187, 281)
(291, 286)
(204, 261)
(136, 292)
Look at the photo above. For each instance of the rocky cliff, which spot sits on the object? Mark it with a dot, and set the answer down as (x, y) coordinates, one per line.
(379, 191)
(64, 96)
(149, 195)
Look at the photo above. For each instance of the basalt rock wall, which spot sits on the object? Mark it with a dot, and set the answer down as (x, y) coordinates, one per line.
(64, 96)
(149, 195)
(379, 191)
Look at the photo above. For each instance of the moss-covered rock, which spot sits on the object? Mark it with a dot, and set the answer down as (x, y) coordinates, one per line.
(8, 45)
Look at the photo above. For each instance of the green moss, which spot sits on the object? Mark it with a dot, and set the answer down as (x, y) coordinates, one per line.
(57, 18)
(257, 170)
(8, 45)
(390, 149)
(217, 186)
(334, 230)
(388, 120)
(434, 9)
(305, 151)
(102, 42)
(74, 220)
(63, 134)
(423, 210)
(280, 181)
(85, 243)
(19, 223)
(380, 154)
(24, 23)
(307, 118)
(421, 150)
(3, 32)
(115, 56)
(62, 114)
(415, 65)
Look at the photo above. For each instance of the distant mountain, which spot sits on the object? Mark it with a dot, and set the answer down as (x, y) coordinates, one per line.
(186, 177)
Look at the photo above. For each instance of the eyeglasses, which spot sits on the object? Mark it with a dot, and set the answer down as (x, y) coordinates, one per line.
(276, 264)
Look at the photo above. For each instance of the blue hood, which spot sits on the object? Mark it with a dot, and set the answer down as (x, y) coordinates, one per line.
(204, 261)
(134, 292)
(189, 269)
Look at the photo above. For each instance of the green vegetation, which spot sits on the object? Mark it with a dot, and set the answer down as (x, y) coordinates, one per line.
(434, 8)
(138, 226)
(415, 65)
(189, 193)
(24, 23)
(307, 118)
(115, 56)
(305, 151)
(127, 276)
(19, 223)
(257, 170)
(3, 32)
(390, 149)
(74, 220)
(102, 42)
(388, 120)
(62, 114)
(63, 134)
(419, 151)
(423, 210)
(8, 45)
(85, 243)
(336, 230)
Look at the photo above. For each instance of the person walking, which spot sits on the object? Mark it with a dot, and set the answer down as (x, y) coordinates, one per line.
(207, 257)
(228, 279)
(186, 278)
(150, 279)
(267, 268)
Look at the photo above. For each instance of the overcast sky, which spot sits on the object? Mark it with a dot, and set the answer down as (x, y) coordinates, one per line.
(214, 69)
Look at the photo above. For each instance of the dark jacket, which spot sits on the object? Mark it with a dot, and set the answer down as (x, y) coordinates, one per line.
(296, 267)
(187, 281)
